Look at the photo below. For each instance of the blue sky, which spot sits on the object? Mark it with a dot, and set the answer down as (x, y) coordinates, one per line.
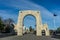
(11, 8)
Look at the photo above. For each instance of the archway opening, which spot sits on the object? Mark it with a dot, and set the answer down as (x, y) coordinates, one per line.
(29, 24)
(43, 33)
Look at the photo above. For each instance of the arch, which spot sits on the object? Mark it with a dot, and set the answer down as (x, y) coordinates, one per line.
(29, 15)
(43, 33)
(22, 14)
(39, 26)
(29, 24)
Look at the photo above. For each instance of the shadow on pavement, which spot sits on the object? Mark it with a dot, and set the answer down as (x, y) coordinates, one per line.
(55, 36)
(2, 35)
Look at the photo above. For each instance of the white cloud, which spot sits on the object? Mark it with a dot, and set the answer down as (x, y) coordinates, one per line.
(26, 5)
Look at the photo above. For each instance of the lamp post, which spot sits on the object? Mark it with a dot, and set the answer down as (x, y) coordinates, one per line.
(54, 16)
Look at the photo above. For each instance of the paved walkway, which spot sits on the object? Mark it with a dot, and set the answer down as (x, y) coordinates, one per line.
(27, 37)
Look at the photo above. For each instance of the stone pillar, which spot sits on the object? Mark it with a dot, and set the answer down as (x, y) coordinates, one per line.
(45, 27)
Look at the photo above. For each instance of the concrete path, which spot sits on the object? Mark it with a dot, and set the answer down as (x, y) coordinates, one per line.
(28, 37)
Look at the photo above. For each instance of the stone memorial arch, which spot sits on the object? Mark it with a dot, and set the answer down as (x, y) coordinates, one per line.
(39, 26)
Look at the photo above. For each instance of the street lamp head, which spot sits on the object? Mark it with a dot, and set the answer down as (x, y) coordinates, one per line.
(54, 15)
